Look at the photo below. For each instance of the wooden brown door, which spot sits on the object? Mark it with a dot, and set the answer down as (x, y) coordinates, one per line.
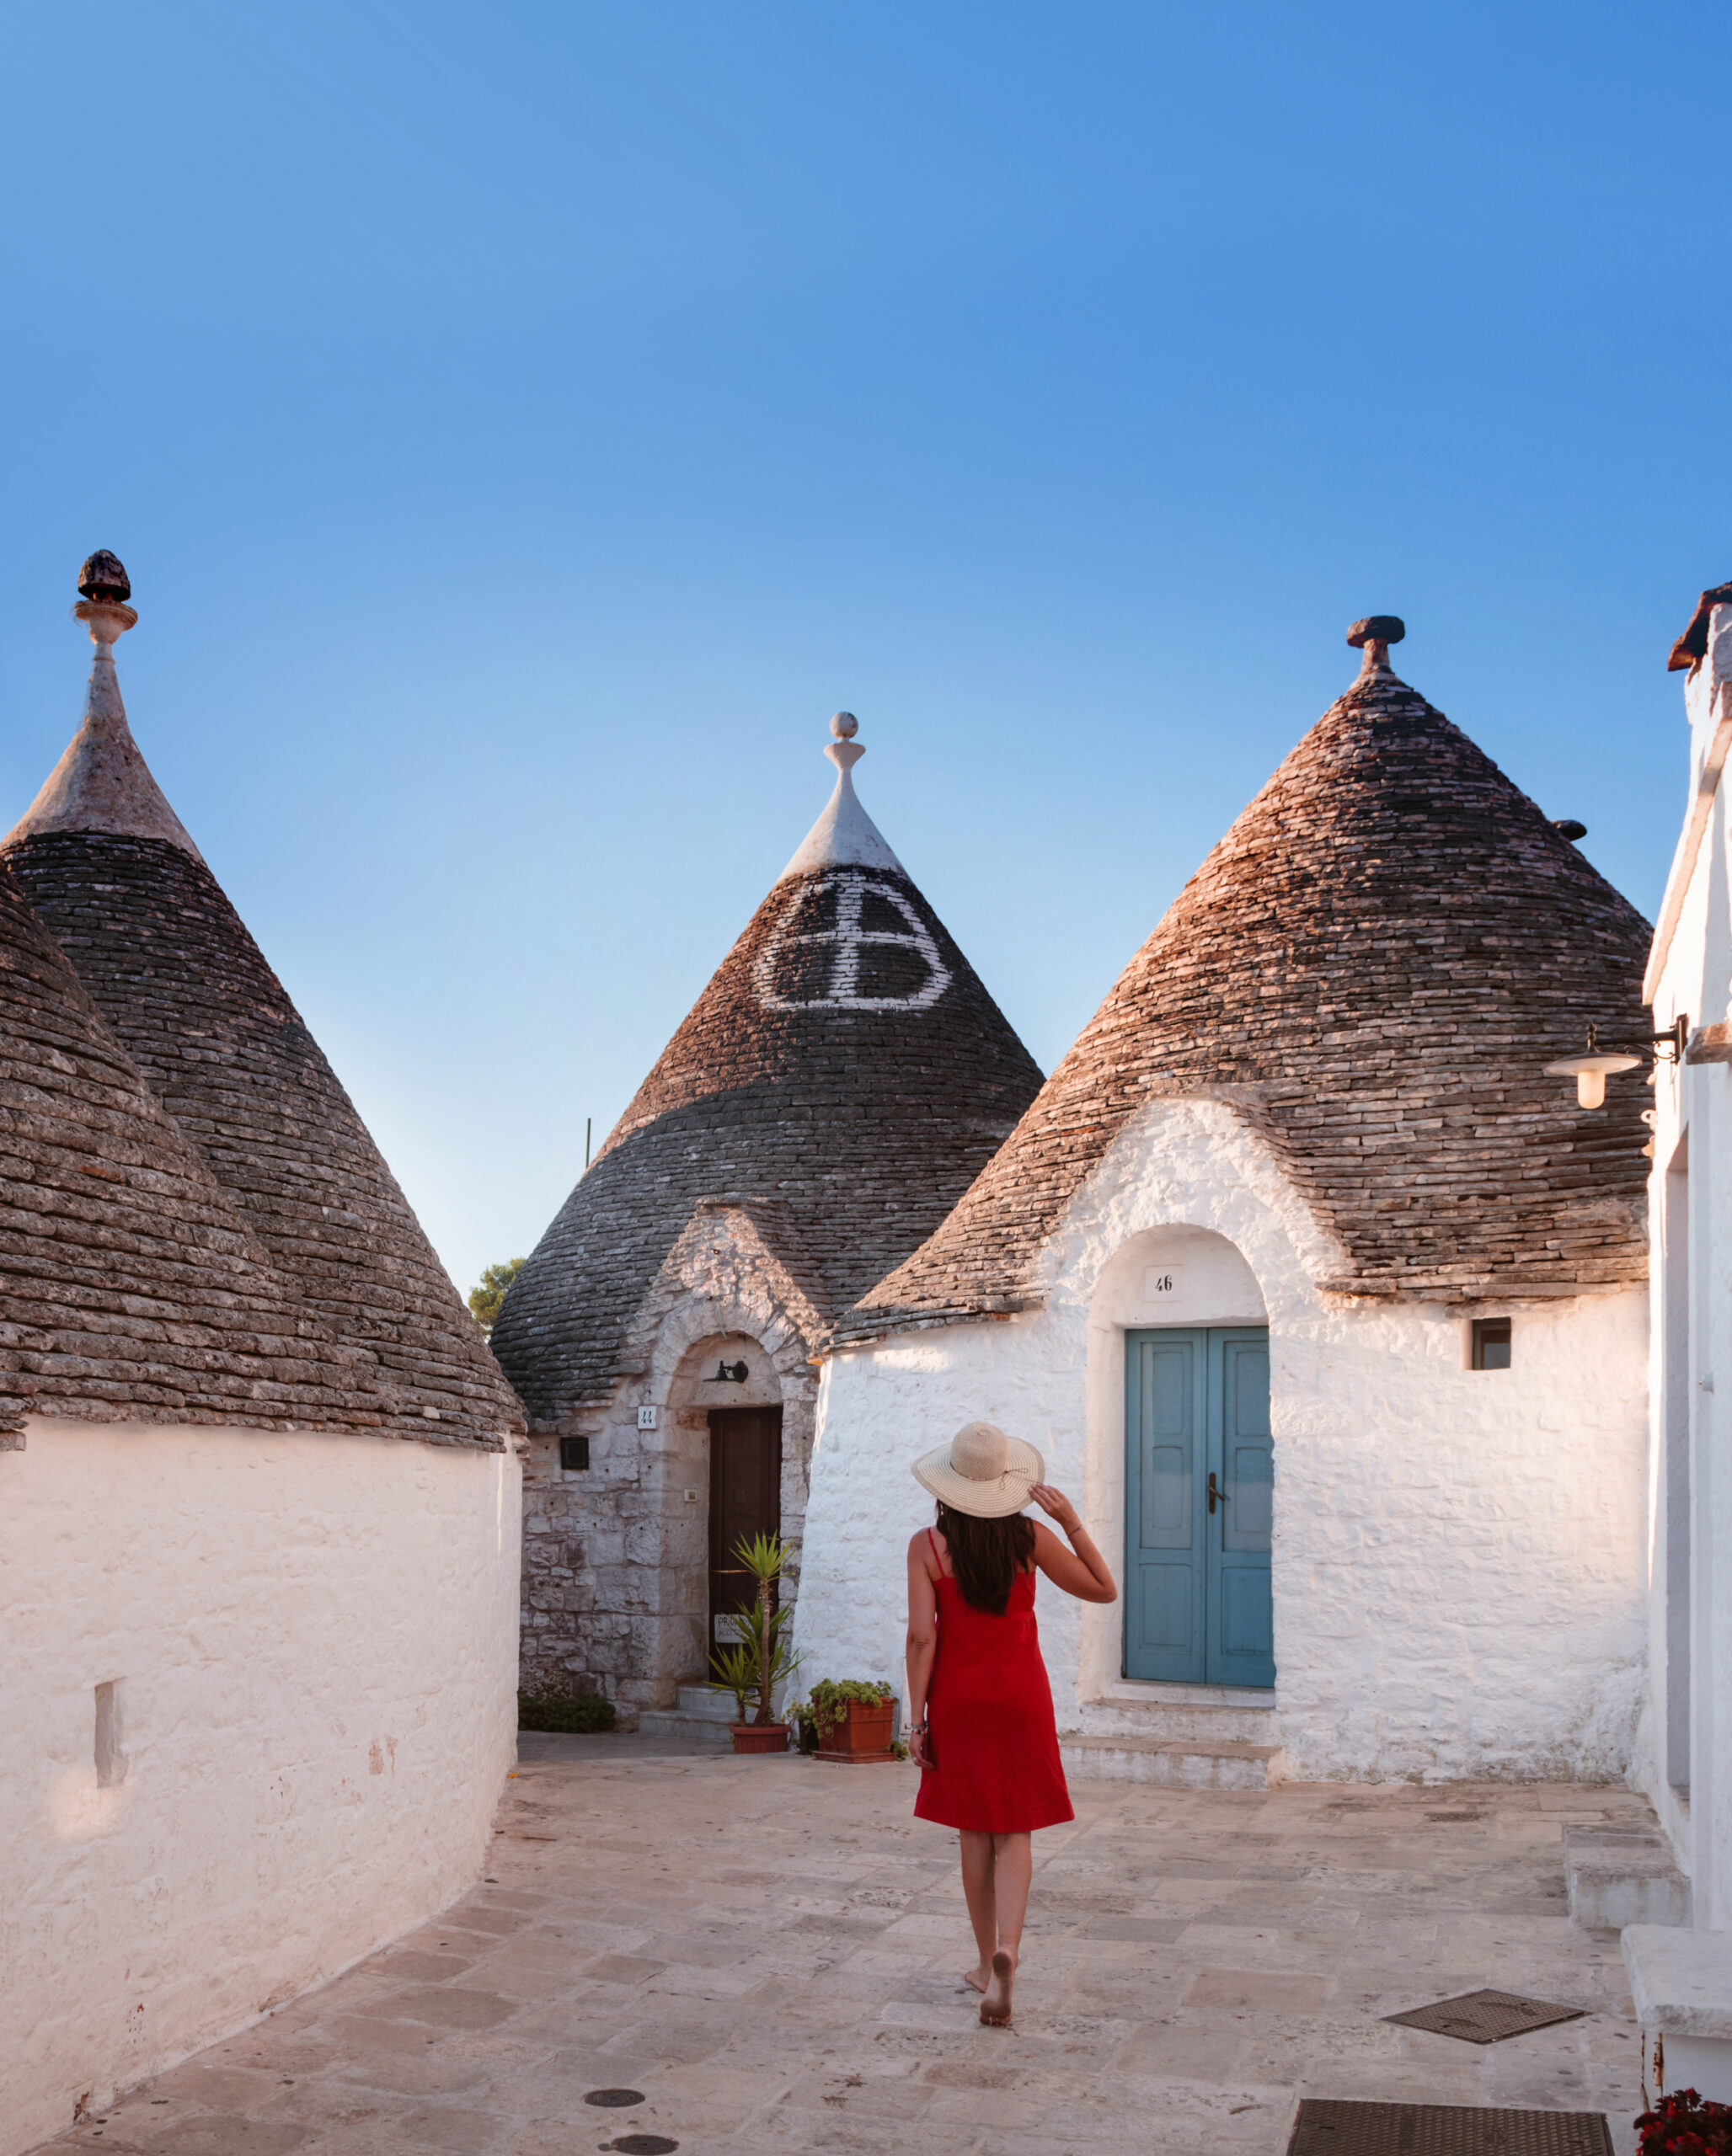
(745, 1498)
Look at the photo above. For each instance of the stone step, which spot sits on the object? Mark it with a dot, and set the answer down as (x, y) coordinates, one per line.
(693, 1729)
(1182, 1711)
(1620, 1878)
(699, 1700)
(1173, 1762)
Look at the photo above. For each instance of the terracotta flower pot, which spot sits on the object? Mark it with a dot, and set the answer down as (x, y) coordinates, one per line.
(862, 1736)
(759, 1736)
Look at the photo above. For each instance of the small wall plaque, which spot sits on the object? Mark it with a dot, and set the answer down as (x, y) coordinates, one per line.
(646, 1418)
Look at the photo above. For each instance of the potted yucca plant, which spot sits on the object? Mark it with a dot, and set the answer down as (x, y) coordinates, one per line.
(758, 1660)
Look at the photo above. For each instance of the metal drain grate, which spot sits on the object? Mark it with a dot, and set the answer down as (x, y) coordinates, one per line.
(1326, 2128)
(612, 2099)
(1486, 2017)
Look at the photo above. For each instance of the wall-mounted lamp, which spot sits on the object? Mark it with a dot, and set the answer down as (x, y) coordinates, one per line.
(730, 1374)
(1591, 1070)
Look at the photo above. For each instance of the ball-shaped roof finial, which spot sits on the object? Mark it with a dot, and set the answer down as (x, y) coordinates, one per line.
(104, 578)
(1376, 628)
(844, 726)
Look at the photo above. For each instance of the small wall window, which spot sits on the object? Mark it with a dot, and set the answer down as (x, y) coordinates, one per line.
(1491, 1343)
(573, 1455)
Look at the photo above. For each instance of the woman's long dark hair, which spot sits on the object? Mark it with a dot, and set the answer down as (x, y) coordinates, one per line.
(987, 1555)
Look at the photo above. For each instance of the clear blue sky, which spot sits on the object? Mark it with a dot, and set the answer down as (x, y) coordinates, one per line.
(525, 424)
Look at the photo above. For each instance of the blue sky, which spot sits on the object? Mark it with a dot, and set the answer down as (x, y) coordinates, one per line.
(524, 425)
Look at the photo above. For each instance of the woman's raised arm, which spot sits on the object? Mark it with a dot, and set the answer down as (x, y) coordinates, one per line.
(1081, 1569)
(922, 1646)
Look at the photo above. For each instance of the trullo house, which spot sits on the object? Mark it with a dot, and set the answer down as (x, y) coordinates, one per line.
(258, 1482)
(838, 1086)
(1325, 1303)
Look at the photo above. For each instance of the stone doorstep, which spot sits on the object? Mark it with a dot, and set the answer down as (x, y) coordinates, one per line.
(695, 1729)
(1173, 1761)
(702, 1716)
(712, 1706)
(1616, 1879)
(1190, 1713)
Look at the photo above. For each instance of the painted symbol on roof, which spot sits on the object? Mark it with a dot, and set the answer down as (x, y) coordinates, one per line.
(852, 958)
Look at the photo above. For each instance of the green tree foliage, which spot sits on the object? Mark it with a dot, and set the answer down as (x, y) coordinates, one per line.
(486, 1301)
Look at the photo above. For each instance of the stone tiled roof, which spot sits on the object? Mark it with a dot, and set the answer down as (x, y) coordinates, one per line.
(1373, 966)
(129, 1288)
(169, 964)
(845, 1063)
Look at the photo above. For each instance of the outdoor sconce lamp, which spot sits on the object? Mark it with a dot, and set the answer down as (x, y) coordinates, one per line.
(730, 1374)
(1590, 1070)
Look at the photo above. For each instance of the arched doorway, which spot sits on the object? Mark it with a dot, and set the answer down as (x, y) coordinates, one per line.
(744, 1502)
(1198, 1509)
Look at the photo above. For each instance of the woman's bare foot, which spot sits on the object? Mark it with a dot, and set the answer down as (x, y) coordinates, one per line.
(979, 1978)
(995, 2006)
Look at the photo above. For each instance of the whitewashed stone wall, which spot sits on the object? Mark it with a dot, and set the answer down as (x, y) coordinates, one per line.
(1458, 1559)
(616, 1566)
(1685, 1758)
(313, 1640)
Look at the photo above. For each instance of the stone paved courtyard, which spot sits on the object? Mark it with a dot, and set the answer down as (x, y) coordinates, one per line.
(770, 1951)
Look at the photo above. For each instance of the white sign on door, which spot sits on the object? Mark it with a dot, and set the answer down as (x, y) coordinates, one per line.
(1163, 1283)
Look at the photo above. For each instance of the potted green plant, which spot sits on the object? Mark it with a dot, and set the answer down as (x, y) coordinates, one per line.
(854, 1720)
(758, 1661)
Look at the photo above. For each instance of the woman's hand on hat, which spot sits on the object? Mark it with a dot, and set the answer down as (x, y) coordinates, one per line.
(1056, 1506)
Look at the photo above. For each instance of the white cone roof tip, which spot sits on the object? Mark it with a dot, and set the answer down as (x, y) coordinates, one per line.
(844, 836)
(102, 783)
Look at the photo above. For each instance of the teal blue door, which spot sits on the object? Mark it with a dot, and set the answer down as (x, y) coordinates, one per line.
(1198, 1510)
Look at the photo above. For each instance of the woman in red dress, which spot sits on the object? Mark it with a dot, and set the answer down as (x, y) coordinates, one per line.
(979, 1703)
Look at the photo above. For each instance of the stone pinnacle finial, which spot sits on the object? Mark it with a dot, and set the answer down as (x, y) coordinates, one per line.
(844, 751)
(104, 609)
(104, 577)
(1374, 634)
(101, 784)
(844, 836)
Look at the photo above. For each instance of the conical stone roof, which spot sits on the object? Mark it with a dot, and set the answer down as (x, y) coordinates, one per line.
(131, 1290)
(1373, 966)
(182, 986)
(844, 1077)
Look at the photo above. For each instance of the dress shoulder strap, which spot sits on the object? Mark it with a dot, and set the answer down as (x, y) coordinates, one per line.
(937, 1557)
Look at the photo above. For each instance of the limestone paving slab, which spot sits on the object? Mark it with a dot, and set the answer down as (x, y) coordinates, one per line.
(772, 1954)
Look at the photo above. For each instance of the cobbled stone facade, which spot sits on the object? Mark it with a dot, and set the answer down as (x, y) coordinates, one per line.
(840, 1083)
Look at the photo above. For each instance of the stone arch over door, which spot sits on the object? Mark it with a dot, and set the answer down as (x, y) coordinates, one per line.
(695, 1394)
(1190, 1286)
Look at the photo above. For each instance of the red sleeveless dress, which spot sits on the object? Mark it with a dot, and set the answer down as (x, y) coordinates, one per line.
(989, 1711)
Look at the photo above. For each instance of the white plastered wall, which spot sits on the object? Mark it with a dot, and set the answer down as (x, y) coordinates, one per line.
(1458, 1555)
(315, 1643)
(1686, 1758)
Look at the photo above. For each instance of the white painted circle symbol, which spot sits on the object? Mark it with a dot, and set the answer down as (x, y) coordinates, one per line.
(852, 887)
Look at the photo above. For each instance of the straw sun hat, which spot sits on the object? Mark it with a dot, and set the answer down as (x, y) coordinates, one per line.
(981, 1471)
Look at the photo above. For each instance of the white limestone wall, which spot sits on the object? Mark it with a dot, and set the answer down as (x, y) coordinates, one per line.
(1685, 1758)
(313, 1644)
(1458, 1560)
